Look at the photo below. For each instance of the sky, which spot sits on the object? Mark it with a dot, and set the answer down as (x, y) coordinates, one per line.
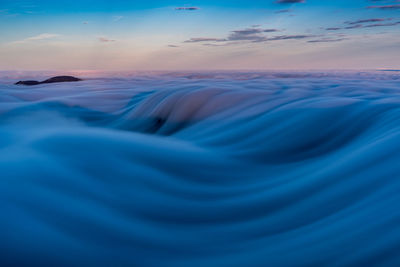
(124, 35)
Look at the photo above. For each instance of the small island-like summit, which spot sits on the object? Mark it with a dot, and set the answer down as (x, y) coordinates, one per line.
(57, 79)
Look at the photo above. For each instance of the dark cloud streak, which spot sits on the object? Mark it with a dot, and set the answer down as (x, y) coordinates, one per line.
(283, 11)
(386, 7)
(327, 40)
(290, 1)
(203, 39)
(192, 8)
(365, 23)
(290, 37)
(361, 21)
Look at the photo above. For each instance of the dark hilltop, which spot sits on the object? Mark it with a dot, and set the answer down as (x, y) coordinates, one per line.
(57, 79)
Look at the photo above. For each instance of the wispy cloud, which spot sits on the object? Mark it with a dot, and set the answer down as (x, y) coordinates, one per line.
(382, 24)
(283, 11)
(248, 34)
(8, 13)
(249, 31)
(191, 8)
(385, 7)
(290, 1)
(365, 23)
(333, 28)
(105, 39)
(252, 35)
(40, 37)
(173, 46)
(117, 18)
(290, 37)
(361, 21)
(327, 40)
(203, 39)
(216, 45)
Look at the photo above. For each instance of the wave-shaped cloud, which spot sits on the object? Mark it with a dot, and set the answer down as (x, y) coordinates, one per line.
(202, 169)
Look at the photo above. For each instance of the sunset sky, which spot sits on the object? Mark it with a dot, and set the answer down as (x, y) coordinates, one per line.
(199, 35)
